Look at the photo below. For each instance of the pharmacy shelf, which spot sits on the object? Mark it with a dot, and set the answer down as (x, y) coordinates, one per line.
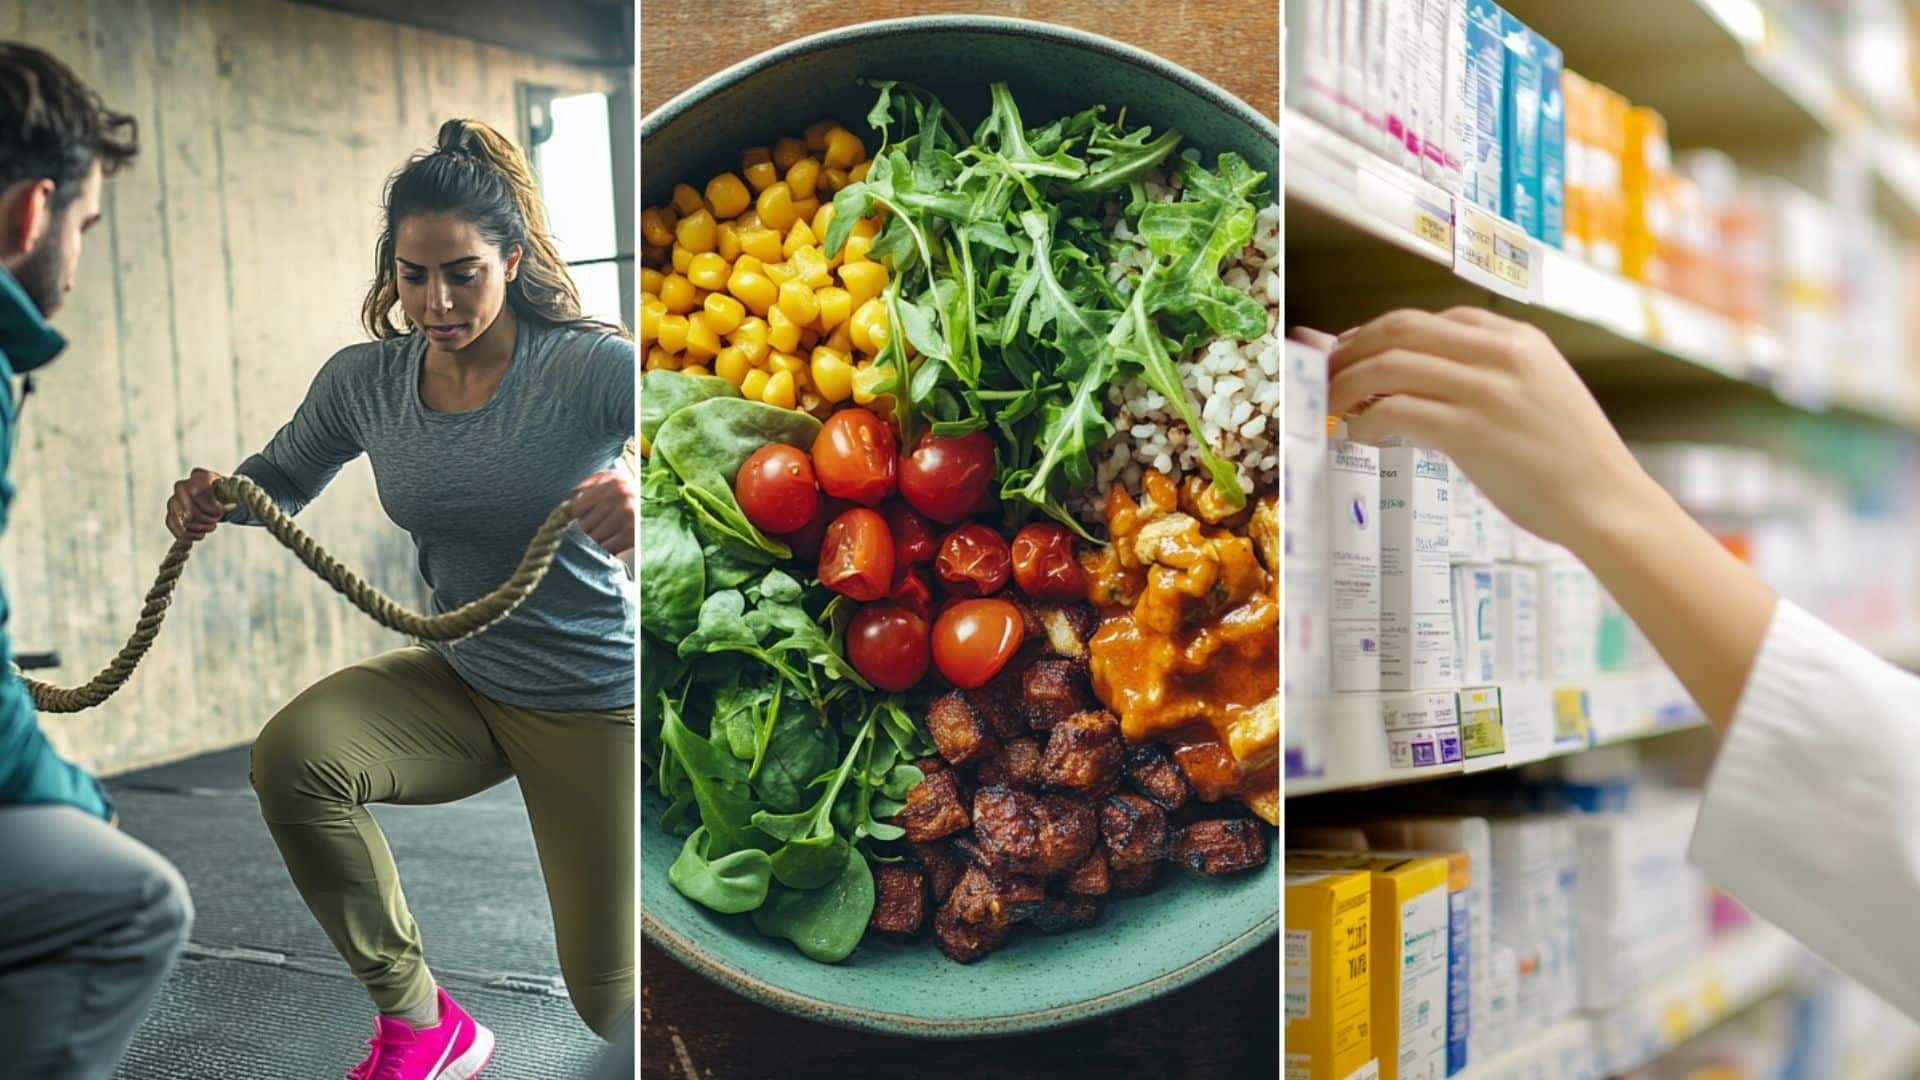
(1732, 975)
(1895, 1060)
(1376, 235)
(1372, 740)
(1726, 74)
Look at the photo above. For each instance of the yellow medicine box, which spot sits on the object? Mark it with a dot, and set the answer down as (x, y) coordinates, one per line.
(1329, 1001)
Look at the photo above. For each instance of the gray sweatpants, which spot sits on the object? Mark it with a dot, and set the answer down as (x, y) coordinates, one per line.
(90, 923)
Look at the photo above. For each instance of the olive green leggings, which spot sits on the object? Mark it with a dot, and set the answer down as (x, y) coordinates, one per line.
(402, 727)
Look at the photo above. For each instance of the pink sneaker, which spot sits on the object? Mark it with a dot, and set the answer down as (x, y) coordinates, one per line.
(454, 1049)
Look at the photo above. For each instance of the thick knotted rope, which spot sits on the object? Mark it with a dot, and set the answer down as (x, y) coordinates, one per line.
(457, 625)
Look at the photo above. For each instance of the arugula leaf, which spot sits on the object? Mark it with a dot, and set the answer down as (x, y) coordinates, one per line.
(718, 781)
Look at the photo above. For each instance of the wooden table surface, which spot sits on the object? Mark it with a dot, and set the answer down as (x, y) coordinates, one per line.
(1223, 1026)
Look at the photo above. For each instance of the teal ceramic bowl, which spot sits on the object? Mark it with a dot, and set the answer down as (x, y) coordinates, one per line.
(1143, 946)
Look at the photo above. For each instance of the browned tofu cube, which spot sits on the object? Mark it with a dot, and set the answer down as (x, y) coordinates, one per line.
(941, 866)
(1083, 754)
(1069, 627)
(1052, 690)
(1016, 764)
(998, 703)
(1034, 835)
(935, 808)
(1152, 772)
(957, 730)
(1128, 880)
(1091, 878)
(899, 899)
(1133, 829)
(1221, 846)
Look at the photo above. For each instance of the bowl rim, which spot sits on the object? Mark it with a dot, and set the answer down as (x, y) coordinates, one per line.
(753, 987)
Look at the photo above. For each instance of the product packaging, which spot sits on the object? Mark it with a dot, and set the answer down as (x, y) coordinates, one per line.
(1475, 624)
(1521, 202)
(1553, 143)
(1416, 614)
(1484, 94)
(1313, 59)
(1328, 986)
(1304, 520)
(1353, 561)
(1516, 623)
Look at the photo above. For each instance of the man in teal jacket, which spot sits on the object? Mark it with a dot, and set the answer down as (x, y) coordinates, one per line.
(91, 920)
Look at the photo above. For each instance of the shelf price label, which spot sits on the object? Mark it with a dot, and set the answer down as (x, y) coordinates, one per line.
(1428, 225)
(1483, 739)
(1494, 253)
(1570, 718)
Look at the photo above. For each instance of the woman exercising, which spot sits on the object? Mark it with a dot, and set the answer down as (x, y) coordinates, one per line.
(491, 401)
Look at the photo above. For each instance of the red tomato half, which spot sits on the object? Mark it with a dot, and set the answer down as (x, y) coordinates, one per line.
(1044, 566)
(974, 639)
(945, 478)
(775, 488)
(856, 458)
(973, 561)
(913, 542)
(856, 555)
(911, 591)
(889, 646)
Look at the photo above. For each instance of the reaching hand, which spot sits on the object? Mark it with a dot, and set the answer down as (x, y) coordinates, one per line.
(194, 511)
(605, 505)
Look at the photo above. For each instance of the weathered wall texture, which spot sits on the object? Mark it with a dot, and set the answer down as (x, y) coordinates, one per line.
(230, 264)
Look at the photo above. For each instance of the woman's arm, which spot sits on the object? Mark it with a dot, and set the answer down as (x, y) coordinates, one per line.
(1494, 395)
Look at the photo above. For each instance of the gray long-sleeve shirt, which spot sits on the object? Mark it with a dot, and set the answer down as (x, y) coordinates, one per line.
(472, 488)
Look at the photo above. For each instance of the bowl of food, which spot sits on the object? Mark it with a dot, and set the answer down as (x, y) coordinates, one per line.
(959, 533)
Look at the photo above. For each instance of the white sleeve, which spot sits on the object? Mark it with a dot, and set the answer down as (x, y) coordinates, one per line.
(1812, 815)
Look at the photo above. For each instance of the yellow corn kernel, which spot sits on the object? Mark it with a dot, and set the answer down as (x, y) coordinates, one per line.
(841, 340)
(779, 390)
(859, 172)
(836, 307)
(762, 175)
(776, 208)
(832, 375)
(728, 195)
(753, 328)
(810, 268)
(762, 243)
(822, 221)
(801, 235)
(855, 249)
(656, 225)
(783, 334)
(804, 209)
(787, 151)
(798, 302)
(702, 340)
(754, 386)
(682, 259)
(867, 375)
(726, 240)
(750, 219)
(677, 293)
(686, 200)
(786, 362)
(650, 312)
(781, 273)
(811, 401)
(673, 333)
(754, 289)
(863, 280)
(731, 365)
(869, 327)
(650, 280)
(723, 312)
(804, 179)
(844, 150)
(708, 270)
(661, 360)
(835, 179)
(695, 231)
(754, 155)
(696, 369)
(816, 135)
(868, 227)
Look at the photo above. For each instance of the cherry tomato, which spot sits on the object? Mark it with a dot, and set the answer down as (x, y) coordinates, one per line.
(855, 457)
(856, 555)
(973, 561)
(910, 590)
(913, 542)
(805, 541)
(1043, 563)
(775, 488)
(888, 645)
(945, 478)
(974, 639)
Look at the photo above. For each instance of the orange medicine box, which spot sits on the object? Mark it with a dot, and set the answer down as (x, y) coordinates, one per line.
(1328, 987)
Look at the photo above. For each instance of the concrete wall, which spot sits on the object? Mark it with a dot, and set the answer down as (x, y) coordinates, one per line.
(230, 264)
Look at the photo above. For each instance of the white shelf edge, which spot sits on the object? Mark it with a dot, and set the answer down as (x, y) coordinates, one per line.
(1900, 1062)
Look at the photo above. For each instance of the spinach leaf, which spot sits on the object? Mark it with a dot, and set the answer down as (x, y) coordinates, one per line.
(730, 884)
(719, 784)
(663, 393)
(706, 442)
(824, 923)
(673, 574)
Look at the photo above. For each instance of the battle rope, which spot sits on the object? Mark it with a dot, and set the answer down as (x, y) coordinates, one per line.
(457, 625)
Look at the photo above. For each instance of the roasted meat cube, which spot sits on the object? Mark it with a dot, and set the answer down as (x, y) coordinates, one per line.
(1131, 879)
(1069, 627)
(998, 703)
(1221, 846)
(899, 899)
(1134, 830)
(957, 730)
(1037, 835)
(935, 808)
(1091, 878)
(941, 865)
(1065, 913)
(1052, 690)
(1152, 772)
(1083, 754)
(1015, 764)
(974, 920)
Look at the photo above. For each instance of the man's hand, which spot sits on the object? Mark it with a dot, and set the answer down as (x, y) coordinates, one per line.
(194, 511)
(605, 506)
